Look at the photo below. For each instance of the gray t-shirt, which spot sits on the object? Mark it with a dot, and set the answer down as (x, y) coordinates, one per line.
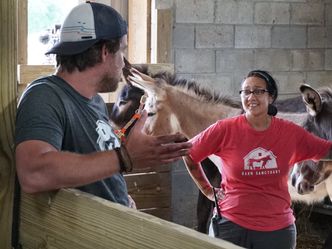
(51, 110)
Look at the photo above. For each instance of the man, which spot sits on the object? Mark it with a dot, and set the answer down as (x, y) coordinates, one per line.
(63, 136)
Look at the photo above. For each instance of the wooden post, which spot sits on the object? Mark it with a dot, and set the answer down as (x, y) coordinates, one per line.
(138, 33)
(8, 88)
(22, 32)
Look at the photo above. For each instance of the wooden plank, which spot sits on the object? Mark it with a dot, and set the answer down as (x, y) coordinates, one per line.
(157, 168)
(164, 4)
(72, 219)
(8, 88)
(121, 6)
(148, 31)
(158, 67)
(150, 190)
(28, 73)
(137, 31)
(162, 213)
(164, 35)
(22, 32)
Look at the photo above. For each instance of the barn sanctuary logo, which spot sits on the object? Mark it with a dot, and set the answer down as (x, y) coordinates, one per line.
(106, 139)
(260, 162)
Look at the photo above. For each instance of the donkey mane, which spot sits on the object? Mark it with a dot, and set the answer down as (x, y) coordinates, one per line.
(193, 88)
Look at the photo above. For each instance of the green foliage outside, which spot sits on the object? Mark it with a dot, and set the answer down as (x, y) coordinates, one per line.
(44, 14)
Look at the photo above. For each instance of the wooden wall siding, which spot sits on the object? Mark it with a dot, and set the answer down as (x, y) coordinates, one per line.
(138, 32)
(72, 219)
(151, 188)
(22, 32)
(120, 5)
(148, 34)
(8, 63)
(152, 192)
(164, 35)
(27, 73)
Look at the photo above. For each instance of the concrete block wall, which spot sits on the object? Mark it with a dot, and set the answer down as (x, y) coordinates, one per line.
(216, 42)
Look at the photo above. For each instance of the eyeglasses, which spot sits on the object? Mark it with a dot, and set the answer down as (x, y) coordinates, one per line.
(256, 92)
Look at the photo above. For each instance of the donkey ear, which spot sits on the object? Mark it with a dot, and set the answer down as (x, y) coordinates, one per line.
(139, 82)
(311, 99)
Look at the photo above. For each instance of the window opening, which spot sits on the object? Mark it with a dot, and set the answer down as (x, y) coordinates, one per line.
(44, 22)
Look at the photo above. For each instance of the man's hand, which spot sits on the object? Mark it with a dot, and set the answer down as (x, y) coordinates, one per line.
(146, 150)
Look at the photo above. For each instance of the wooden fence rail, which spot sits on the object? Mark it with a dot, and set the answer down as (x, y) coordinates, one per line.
(73, 219)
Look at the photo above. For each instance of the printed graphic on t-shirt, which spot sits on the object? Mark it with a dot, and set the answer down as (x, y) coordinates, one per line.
(260, 162)
(106, 139)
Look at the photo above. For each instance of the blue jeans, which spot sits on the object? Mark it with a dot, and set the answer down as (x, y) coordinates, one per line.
(279, 239)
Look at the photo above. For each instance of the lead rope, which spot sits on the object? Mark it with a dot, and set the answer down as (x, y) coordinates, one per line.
(121, 133)
(216, 202)
(215, 219)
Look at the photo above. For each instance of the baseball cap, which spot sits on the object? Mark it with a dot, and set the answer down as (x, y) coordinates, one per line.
(85, 25)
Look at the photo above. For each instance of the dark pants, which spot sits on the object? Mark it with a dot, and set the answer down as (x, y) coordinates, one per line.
(280, 239)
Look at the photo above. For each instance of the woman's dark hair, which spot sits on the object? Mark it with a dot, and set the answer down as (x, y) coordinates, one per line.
(271, 87)
(88, 58)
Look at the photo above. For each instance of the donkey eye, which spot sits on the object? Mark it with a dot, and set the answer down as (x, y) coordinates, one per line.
(123, 102)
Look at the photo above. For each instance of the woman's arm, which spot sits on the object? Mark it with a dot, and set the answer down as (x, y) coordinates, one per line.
(197, 174)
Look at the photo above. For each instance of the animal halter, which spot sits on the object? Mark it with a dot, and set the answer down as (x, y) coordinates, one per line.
(121, 133)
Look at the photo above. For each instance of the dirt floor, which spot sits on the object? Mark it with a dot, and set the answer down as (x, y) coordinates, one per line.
(313, 226)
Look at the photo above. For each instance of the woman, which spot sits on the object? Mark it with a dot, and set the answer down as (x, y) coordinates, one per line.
(257, 151)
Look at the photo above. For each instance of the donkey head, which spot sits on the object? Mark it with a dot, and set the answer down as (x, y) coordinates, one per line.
(126, 105)
(128, 101)
(307, 174)
(159, 122)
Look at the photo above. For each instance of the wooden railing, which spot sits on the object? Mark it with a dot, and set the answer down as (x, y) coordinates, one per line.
(73, 219)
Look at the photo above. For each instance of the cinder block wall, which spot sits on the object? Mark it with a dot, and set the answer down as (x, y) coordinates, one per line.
(217, 42)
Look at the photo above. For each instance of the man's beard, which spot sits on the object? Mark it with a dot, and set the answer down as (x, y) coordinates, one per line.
(108, 84)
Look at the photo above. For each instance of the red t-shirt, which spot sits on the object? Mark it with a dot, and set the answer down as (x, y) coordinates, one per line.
(255, 168)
